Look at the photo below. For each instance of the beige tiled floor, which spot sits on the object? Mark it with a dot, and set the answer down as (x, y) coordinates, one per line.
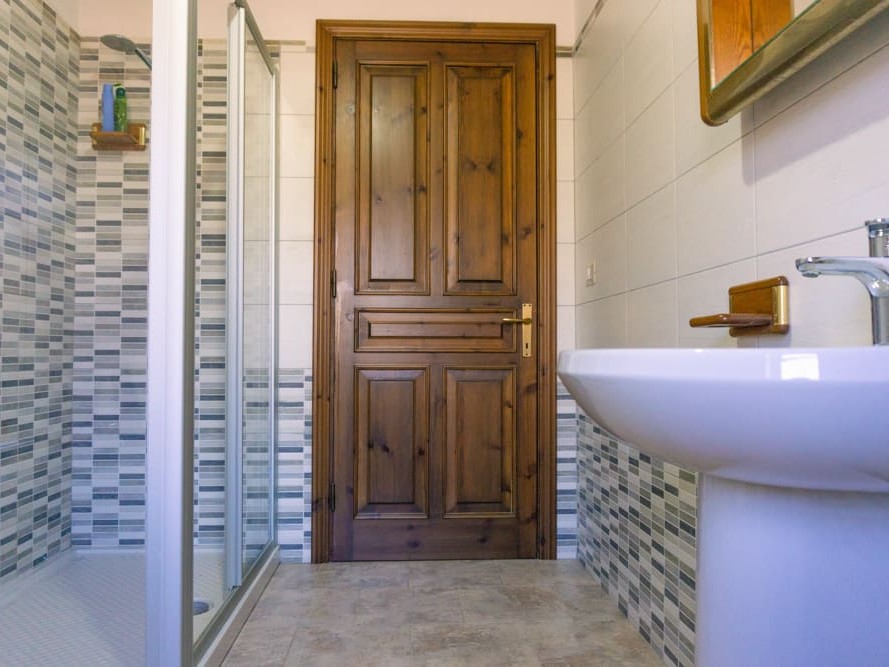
(437, 613)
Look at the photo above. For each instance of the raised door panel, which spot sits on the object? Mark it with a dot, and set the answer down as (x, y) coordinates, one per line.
(393, 216)
(427, 330)
(391, 430)
(480, 472)
(480, 186)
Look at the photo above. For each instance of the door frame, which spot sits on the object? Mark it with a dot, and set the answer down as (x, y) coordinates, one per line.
(542, 37)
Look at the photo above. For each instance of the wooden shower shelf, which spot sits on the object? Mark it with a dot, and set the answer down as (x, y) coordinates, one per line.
(134, 139)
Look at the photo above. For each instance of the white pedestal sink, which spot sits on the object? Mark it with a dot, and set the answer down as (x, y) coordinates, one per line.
(793, 504)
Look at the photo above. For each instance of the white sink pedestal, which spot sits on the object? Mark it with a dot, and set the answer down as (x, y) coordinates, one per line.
(792, 449)
(791, 576)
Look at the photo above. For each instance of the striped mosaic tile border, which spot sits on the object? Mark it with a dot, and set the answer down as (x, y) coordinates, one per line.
(566, 474)
(636, 535)
(295, 464)
(210, 329)
(38, 132)
(111, 314)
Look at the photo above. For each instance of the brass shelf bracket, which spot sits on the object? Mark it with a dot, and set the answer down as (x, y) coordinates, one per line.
(755, 309)
(134, 139)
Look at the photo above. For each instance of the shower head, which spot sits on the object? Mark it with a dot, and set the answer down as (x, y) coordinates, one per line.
(125, 44)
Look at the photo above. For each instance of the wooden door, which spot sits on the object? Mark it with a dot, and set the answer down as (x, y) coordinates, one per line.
(435, 394)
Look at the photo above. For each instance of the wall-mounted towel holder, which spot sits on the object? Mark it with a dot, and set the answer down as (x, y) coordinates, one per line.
(754, 309)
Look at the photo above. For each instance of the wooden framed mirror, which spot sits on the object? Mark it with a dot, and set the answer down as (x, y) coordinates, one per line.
(747, 47)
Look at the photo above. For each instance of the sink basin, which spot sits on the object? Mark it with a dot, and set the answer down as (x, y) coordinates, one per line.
(793, 500)
(806, 418)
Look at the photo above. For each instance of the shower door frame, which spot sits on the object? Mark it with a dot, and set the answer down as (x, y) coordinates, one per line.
(169, 544)
(242, 22)
(170, 376)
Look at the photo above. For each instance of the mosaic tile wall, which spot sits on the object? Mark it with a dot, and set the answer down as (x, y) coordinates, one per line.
(111, 313)
(636, 535)
(110, 381)
(295, 464)
(38, 131)
(566, 474)
(209, 465)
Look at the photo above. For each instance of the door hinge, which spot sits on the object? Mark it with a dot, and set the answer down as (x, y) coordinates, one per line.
(331, 497)
(336, 75)
(333, 284)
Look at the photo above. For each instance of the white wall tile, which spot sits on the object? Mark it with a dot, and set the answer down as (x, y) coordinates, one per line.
(635, 14)
(564, 88)
(582, 11)
(297, 83)
(648, 61)
(685, 34)
(295, 267)
(257, 265)
(294, 336)
(584, 256)
(565, 211)
(565, 274)
(582, 65)
(607, 249)
(696, 141)
(297, 146)
(584, 204)
(600, 191)
(602, 323)
(257, 326)
(296, 218)
(583, 138)
(565, 150)
(706, 293)
(599, 52)
(715, 207)
(257, 208)
(565, 329)
(824, 311)
(651, 153)
(652, 316)
(817, 171)
(601, 120)
(651, 239)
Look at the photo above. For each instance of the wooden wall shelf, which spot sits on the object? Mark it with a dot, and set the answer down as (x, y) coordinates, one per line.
(755, 308)
(134, 139)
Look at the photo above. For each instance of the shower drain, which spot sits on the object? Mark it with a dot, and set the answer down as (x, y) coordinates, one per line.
(199, 607)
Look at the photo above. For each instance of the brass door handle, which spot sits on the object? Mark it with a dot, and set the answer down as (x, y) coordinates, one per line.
(525, 321)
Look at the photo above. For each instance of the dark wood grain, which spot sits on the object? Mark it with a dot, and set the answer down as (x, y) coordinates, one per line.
(393, 207)
(391, 462)
(489, 241)
(480, 138)
(480, 440)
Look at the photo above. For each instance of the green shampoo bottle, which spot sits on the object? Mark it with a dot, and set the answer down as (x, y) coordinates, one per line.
(120, 109)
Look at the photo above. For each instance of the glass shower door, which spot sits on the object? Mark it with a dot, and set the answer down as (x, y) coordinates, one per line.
(250, 413)
(235, 448)
(258, 294)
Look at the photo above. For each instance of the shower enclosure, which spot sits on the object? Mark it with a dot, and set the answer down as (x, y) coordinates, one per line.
(137, 354)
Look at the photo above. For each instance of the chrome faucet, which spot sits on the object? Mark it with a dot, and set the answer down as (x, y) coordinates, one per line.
(872, 272)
